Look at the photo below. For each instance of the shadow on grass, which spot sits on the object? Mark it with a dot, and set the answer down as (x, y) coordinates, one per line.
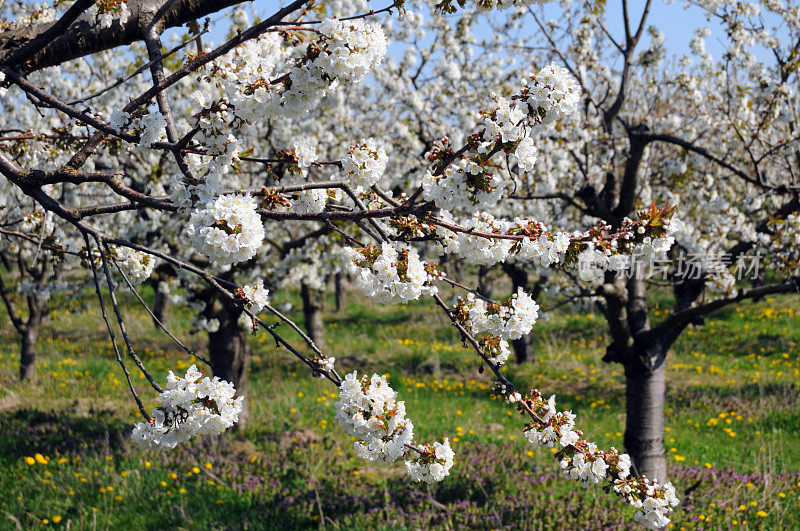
(26, 431)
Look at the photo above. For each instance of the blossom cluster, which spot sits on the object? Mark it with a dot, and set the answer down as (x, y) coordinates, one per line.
(784, 244)
(556, 427)
(136, 265)
(653, 501)
(304, 152)
(228, 230)
(369, 411)
(546, 250)
(310, 201)
(495, 349)
(353, 49)
(326, 363)
(532, 243)
(473, 248)
(365, 163)
(253, 87)
(509, 320)
(464, 184)
(391, 274)
(256, 295)
(151, 126)
(432, 463)
(483, 239)
(38, 222)
(345, 52)
(464, 181)
(721, 283)
(582, 461)
(190, 406)
(551, 94)
(646, 239)
(105, 12)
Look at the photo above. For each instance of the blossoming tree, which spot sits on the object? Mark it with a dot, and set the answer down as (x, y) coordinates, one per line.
(27, 290)
(716, 140)
(202, 159)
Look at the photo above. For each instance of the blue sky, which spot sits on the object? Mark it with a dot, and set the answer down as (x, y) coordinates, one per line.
(674, 19)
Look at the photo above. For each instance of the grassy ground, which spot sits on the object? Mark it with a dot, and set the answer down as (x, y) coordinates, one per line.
(733, 434)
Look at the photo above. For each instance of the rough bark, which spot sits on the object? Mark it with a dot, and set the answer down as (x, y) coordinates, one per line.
(485, 282)
(625, 310)
(229, 353)
(312, 312)
(644, 425)
(338, 282)
(161, 307)
(27, 358)
(83, 39)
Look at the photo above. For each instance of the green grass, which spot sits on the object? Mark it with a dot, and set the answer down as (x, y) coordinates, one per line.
(732, 424)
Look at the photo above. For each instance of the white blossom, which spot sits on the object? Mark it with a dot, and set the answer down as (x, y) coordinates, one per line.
(136, 264)
(305, 151)
(395, 276)
(365, 163)
(190, 406)
(257, 295)
(433, 464)
(228, 230)
(367, 409)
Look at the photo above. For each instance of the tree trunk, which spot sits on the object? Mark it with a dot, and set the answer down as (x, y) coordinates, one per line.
(485, 282)
(161, 306)
(644, 426)
(27, 358)
(312, 312)
(338, 280)
(522, 349)
(229, 354)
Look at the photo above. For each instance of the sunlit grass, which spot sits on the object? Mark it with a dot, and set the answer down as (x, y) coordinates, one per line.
(732, 424)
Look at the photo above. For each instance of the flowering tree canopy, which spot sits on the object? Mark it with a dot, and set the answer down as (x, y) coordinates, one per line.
(300, 147)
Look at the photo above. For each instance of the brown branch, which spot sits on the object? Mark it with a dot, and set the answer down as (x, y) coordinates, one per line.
(84, 39)
(684, 317)
(46, 37)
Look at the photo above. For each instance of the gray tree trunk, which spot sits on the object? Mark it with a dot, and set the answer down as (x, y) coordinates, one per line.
(27, 358)
(338, 282)
(644, 425)
(645, 373)
(161, 307)
(229, 354)
(312, 312)
(485, 282)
